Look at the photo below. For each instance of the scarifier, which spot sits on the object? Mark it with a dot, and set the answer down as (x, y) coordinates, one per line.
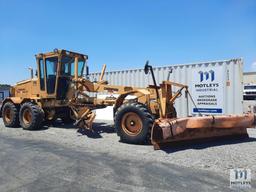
(60, 90)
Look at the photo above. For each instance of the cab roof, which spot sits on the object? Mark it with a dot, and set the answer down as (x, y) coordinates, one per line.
(57, 52)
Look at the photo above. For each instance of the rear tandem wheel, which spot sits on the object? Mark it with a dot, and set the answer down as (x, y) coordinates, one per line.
(30, 116)
(10, 115)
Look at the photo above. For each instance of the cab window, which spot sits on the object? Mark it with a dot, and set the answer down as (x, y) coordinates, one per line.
(51, 71)
(41, 75)
(68, 66)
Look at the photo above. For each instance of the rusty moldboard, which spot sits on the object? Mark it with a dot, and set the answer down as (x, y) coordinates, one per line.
(197, 128)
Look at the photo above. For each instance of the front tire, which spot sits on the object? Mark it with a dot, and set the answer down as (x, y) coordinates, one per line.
(10, 115)
(30, 116)
(133, 123)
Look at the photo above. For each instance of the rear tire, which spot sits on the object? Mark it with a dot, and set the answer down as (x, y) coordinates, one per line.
(30, 116)
(10, 115)
(133, 123)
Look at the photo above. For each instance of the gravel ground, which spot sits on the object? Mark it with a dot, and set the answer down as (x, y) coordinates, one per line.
(217, 156)
(30, 165)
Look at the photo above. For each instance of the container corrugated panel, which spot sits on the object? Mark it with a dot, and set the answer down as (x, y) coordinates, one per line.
(225, 76)
(4, 94)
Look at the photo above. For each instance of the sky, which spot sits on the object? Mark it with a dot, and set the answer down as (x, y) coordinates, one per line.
(125, 33)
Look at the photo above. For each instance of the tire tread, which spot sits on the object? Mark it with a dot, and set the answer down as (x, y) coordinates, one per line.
(15, 122)
(37, 116)
(147, 119)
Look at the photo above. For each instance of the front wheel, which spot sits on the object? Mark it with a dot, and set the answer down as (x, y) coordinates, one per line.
(133, 123)
(30, 116)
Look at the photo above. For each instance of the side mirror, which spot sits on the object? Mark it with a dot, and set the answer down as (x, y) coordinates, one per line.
(36, 73)
(146, 68)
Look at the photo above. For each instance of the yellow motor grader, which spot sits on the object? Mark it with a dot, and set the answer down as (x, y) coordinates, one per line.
(60, 90)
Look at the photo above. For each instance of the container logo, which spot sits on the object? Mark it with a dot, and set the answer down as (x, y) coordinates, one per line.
(208, 90)
(204, 76)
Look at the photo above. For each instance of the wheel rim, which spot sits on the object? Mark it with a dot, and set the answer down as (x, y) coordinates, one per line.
(8, 115)
(131, 124)
(27, 117)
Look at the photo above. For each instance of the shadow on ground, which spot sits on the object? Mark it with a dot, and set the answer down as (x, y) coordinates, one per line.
(98, 128)
(203, 144)
(103, 127)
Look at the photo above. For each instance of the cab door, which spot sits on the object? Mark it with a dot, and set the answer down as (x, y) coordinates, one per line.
(42, 79)
(51, 64)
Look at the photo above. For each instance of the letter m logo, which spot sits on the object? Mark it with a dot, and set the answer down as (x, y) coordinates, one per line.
(204, 76)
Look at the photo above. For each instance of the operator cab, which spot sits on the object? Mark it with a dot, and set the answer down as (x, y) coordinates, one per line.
(56, 71)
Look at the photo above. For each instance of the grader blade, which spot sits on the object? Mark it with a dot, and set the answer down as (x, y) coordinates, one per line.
(193, 128)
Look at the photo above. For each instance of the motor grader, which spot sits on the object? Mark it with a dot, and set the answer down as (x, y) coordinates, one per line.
(60, 90)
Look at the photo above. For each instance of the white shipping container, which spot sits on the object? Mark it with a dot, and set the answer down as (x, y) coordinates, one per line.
(216, 86)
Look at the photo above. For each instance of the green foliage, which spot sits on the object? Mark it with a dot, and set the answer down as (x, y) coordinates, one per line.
(4, 86)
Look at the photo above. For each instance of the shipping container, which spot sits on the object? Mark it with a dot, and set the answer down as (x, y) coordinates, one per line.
(3, 94)
(216, 87)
